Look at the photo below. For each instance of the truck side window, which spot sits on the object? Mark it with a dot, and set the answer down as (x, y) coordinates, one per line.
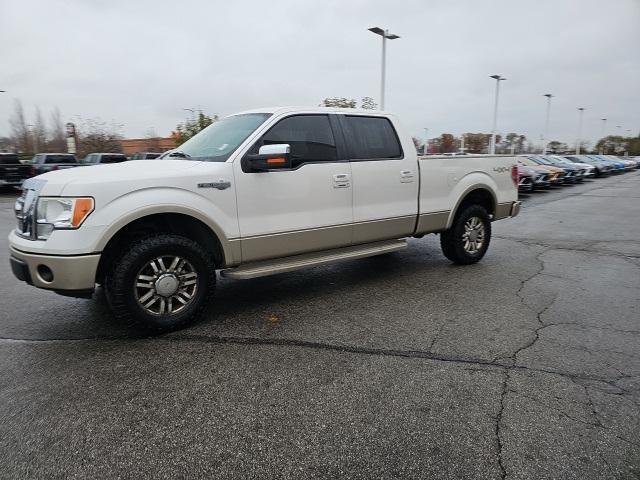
(310, 137)
(371, 138)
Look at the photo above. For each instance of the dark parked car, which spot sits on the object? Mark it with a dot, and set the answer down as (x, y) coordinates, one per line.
(525, 179)
(145, 155)
(12, 172)
(101, 158)
(46, 162)
(538, 177)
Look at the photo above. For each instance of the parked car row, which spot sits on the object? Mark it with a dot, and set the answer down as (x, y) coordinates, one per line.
(537, 172)
(14, 171)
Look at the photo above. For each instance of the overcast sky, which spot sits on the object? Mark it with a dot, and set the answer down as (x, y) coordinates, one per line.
(141, 62)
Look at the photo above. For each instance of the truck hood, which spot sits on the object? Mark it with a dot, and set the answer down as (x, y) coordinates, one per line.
(149, 170)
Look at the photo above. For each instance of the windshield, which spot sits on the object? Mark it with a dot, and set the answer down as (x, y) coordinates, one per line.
(542, 160)
(220, 139)
(8, 159)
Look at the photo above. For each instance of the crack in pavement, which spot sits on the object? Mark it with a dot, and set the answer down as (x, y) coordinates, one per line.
(549, 246)
(285, 342)
(503, 395)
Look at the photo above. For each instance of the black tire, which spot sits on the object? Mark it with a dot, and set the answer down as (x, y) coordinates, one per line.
(452, 242)
(120, 283)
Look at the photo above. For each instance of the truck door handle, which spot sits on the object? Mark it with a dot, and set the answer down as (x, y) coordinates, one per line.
(341, 180)
(406, 176)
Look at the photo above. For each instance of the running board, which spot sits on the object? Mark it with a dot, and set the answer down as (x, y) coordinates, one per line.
(288, 264)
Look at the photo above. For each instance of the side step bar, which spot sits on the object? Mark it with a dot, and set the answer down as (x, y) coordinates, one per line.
(288, 264)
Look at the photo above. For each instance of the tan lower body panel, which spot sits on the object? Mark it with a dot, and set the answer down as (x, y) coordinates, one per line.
(503, 210)
(285, 244)
(432, 222)
(292, 243)
(388, 228)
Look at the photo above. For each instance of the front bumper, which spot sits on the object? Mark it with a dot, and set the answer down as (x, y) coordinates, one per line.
(64, 274)
(525, 184)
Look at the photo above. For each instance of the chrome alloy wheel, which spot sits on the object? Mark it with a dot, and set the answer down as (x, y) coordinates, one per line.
(473, 236)
(166, 285)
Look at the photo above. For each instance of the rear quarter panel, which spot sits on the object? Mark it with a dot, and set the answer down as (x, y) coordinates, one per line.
(444, 181)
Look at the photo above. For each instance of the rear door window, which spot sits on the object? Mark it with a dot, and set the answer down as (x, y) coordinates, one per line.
(371, 138)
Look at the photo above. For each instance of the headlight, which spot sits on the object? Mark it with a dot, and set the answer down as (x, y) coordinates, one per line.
(61, 213)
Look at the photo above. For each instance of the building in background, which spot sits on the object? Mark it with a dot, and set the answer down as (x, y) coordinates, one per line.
(130, 146)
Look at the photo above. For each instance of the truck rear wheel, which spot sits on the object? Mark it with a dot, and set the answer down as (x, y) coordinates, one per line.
(161, 283)
(468, 238)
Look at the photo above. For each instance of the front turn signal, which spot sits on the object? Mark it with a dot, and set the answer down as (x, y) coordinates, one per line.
(81, 209)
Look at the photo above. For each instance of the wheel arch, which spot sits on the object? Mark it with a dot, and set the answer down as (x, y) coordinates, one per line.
(475, 195)
(153, 222)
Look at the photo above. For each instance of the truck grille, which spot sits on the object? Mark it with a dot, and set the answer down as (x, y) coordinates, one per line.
(25, 208)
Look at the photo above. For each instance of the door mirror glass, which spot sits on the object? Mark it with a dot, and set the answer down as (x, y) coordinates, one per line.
(269, 157)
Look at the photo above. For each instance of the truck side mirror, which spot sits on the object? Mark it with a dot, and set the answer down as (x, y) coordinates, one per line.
(269, 157)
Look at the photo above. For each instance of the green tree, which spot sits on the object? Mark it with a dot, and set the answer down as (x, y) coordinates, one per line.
(617, 145)
(338, 102)
(186, 130)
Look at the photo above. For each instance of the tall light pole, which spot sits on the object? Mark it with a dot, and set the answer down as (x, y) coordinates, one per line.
(385, 36)
(545, 139)
(581, 110)
(498, 79)
(426, 140)
(604, 133)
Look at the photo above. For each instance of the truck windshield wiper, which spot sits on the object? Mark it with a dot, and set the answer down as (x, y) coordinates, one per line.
(179, 153)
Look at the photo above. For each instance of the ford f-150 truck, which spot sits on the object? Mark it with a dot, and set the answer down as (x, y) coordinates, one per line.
(257, 193)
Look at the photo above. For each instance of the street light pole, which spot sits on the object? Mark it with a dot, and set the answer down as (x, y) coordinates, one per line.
(604, 133)
(426, 141)
(498, 79)
(385, 36)
(581, 110)
(546, 124)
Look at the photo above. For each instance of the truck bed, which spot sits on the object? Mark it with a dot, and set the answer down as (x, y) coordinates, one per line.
(445, 180)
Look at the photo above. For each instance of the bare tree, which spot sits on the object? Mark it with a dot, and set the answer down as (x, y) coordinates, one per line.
(95, 135)
(39, 133)
(153, 141)
(19, 130)
(57, 138)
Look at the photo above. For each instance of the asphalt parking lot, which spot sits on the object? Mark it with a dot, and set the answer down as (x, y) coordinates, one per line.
(526, 365)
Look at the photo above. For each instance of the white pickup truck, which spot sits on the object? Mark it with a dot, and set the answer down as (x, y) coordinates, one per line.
(257, 193)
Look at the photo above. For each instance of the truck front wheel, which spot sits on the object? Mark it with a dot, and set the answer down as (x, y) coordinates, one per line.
(468, 238)
(161, 283)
